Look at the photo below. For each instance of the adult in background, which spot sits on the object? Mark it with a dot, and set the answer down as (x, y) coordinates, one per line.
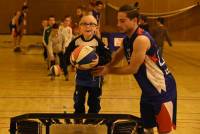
(96, 12)
(18, 28)
(161, 34)
(143, 23)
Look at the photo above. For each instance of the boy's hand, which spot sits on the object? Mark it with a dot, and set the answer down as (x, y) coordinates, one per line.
(100, 71)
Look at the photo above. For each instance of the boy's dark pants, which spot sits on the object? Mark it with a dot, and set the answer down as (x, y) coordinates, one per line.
(94, 94)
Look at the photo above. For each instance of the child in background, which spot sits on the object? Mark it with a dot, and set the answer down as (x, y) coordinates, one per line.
(66, 31)
(56, 48)
(46, 34)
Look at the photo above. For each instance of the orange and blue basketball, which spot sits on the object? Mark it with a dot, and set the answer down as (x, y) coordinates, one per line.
(84, 57)
(55, 70)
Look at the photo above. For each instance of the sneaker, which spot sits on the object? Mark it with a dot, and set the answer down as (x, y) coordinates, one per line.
(52, 77)
(67, 77)
(17, 49)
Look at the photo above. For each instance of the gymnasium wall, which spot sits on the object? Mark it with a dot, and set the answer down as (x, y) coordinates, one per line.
(38, 10)
(7, 9)
(184, 27)
(156, 5)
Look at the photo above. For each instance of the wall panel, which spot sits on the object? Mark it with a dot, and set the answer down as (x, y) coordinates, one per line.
(38, 9)
(186, 25)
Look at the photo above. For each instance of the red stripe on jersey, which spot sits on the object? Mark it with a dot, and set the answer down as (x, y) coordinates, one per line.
(164, 120)
(153, 58)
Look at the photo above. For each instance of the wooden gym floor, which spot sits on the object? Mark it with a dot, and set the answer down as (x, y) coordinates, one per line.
(26, 88)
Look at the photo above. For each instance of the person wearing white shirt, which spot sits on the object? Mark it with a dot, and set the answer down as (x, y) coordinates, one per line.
(66, 31)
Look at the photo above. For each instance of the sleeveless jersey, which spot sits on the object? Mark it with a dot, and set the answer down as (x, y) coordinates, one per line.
(153, 76)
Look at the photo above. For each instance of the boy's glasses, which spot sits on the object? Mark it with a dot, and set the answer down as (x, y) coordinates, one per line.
(88, 24)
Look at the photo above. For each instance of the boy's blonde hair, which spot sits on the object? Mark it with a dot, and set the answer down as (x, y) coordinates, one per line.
(88, 16)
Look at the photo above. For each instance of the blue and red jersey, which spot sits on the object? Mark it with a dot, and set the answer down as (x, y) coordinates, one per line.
(154, 78)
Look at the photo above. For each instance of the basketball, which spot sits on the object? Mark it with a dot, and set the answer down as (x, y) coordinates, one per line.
(84, 57)
(55, 70)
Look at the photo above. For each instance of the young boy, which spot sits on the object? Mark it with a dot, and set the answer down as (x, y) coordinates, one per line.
(66, 31)
(55, 48)
(85, 82)
(46, 34)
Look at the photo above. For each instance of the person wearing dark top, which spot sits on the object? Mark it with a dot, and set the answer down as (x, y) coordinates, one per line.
(17, 28)
(46, 34)
(143, 23)
(158, 86)
(96, 12)
(85, 82)
(161, 34)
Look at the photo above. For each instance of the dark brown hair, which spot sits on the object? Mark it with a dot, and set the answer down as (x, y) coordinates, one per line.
(130, 10)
